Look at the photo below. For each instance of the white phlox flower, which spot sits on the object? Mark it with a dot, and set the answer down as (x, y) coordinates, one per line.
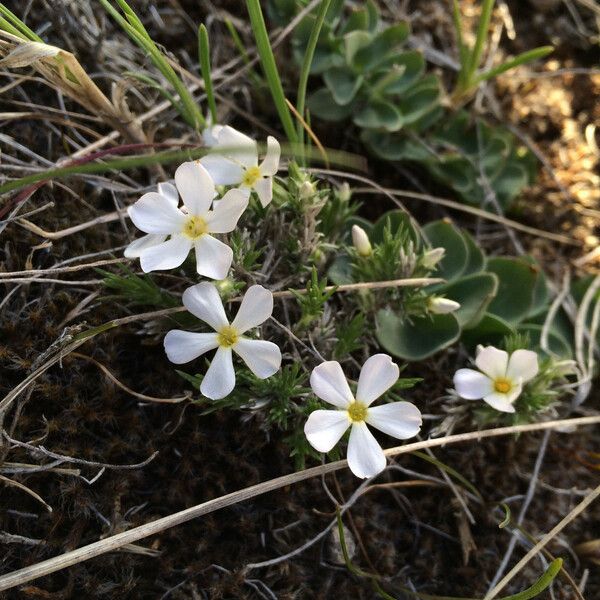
(187, 227)
(324, 428)
(263, 358)
(500, 379)
(234, 161)
(360, 240)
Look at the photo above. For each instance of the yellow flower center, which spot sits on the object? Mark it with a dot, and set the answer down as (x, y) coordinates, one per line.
(228, 336)
(357, 411)
(195, 227)
(251, 176)
(502, 386)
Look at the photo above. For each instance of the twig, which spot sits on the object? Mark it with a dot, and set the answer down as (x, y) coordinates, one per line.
(107, 372)
(92, 265)
(114, 542)
(27, 490)
(78, 461)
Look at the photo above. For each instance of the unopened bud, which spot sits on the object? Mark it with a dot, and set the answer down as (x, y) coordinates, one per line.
(361, 242)
(442, 306)
(344, 192)
(432, 257)
(307, 189)
(225, 286)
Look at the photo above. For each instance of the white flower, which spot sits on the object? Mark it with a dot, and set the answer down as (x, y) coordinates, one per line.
(189, 226)
(501, 379)
(442, 306)
(203, 300)
(361, 242)
(234, 161)
(169, 192)
(324, 428)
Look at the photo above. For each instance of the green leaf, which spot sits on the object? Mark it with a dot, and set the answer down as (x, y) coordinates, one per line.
(490, 330)
(408, 67)
(379, 114)
(420, 99)
(394, 147)
(476, 261)
(353, 42)
(384, 44)
(443, 234)
(340, 271)
(474, 293)
(343, 84)
(322, 104)
(557, 344)
(515, 292)
(416, 340)
(358, 20)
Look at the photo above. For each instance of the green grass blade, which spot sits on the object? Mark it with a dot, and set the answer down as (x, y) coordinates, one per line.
(235, 36)
(136, 31)
(17, 24)
(306, 64)
(521, 59)
(463, 51)
(267, 60)
(204, 59)
(541, 584)
(482, 34)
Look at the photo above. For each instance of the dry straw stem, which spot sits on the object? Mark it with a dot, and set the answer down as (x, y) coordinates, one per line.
(63, 71)
(541, 544)
(137, 533)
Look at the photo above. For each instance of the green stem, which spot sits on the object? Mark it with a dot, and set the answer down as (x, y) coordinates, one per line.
(204, 58)
(305, 70)
(267, 60)
(482, 33)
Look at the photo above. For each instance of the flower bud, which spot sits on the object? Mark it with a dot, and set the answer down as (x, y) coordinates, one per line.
(307, 189)
(361, 242)
(344, 192)
(442, 306)
(432, 257)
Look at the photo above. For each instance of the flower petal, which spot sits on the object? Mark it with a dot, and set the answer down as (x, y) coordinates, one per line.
(263, 358)
(204, 302)
(222, 170)
(329, 383)
(196, 187)
(184, 346)
(168, 255)
(210, 135)
(135, 249)
(270, 164)
(264, 189)
(237, 146)
(472, 385)
(324, 428)
(213, 257)
(153, 213)
(227, 211)
(401, 420)
(169, 191)
(365, 456)
(523, 365)
(256, 308)
(500, 402)
(219, 380)
(492, 362)
(377, 375)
